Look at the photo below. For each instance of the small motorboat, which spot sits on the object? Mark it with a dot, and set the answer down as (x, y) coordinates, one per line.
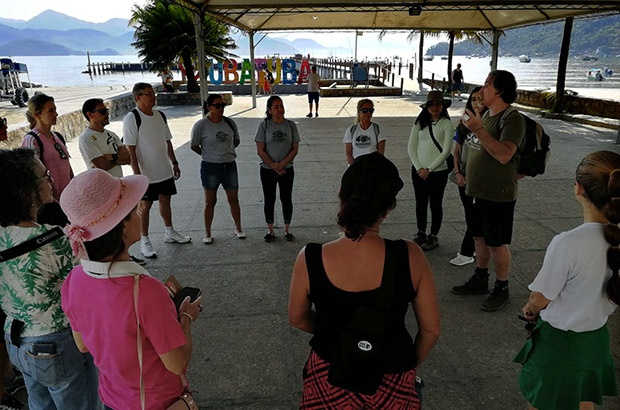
(428, 58)
(524, 58)
(595, 74)
(608, 72)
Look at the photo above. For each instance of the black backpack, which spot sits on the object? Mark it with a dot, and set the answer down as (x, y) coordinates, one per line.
(136, 115)
(40, 143)
(536, 148)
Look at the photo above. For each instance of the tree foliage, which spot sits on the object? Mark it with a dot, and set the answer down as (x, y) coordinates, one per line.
(165, 34)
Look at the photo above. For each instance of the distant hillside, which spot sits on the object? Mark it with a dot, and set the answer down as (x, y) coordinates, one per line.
(52, 20)
(599, 36)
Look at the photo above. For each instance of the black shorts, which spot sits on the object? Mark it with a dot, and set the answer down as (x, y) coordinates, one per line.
(166, 187)
(492, 221)
(313, 96)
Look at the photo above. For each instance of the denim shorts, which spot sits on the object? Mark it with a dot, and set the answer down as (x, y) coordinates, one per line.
(213, 174)
(56, 373)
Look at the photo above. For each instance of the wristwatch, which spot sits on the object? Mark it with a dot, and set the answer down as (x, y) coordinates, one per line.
(114, 158)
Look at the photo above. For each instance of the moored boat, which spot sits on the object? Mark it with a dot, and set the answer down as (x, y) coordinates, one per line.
(595, 74)
(524, 58)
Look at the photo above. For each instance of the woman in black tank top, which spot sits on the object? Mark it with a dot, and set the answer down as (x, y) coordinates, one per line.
(353, 293)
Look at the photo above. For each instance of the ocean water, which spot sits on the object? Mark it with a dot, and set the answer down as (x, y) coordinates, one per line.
(541, 73)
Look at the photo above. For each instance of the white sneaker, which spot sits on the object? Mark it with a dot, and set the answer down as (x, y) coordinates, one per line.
(462, 260)
(147, 248)
(207, 240)
(239, 234)
(175, 237)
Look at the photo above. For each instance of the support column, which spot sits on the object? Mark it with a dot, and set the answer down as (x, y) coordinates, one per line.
(200, 48)
(562, 63)
(253, 79)
(495, 50)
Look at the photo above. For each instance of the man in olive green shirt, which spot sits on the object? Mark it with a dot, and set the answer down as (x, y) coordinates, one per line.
(492, 181)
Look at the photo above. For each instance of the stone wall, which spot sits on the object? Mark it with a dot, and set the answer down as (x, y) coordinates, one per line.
(71, 124)
(571, 104)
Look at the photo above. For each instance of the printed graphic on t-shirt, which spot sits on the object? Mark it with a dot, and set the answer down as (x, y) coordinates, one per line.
(362, 141)
(221, 136)
(278, 136)
(111, 141)
(473, 142)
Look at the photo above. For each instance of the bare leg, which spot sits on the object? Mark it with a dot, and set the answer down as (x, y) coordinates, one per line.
(235, 209)
(287, 228)
(270, 228)
(165, 210)
(586, 405)
(483, 254)
(501, 258)
(145, 211)
(210, 201)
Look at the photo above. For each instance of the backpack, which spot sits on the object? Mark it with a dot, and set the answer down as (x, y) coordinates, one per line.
(40, 143)
(136, 115)
(375, 127)
(536, 147)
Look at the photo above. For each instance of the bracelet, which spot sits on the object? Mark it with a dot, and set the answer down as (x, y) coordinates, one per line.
(175, 162)
(191, 319)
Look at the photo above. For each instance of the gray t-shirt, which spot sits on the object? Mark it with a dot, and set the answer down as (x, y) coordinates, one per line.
(216, 139)
(278, 139)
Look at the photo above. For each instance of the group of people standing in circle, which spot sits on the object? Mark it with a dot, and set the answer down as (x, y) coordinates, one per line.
(566, 362)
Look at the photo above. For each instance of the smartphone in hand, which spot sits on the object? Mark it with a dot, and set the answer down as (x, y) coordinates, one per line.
(193, 293)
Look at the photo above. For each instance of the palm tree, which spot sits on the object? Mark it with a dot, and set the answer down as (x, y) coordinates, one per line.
(165, 34)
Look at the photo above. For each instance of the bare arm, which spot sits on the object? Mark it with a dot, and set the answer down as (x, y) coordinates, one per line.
(534, 305)
(300, 313)
(77, 337)
(173, 159)
(134, 159)
(196, 149)
(348, 151)
(460, 178)
(381, 147)
(425, 305)
(262, 153)
(177, 360)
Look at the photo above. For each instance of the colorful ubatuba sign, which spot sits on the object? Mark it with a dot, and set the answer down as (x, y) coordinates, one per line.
(284, 71)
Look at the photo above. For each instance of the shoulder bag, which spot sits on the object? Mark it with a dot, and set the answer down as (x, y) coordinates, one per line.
(450, 159)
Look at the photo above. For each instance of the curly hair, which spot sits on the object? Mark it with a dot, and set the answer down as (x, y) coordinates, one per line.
(599, 174)
(19, 184)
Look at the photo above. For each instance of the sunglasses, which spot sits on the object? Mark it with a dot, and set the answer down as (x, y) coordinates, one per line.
(367, 110)
(61, 152)
(102, 111)
(218, 105)
(3, 121)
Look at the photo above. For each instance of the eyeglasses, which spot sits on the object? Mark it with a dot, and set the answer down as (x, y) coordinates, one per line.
(61, 152)
(102, 111)
(367, 110)
(3, 121)
(47, 175)
(148, 94)
(218, 105)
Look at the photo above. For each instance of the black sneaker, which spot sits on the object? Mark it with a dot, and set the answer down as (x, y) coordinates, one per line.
(8, 402)
(270, 237)
(309, 115)
(477, 284)
(496, 300)
(139, 261)
(431, 243)
(420, 238)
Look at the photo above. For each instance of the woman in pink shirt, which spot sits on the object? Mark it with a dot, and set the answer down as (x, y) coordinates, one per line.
(52, 151)
(107, 295)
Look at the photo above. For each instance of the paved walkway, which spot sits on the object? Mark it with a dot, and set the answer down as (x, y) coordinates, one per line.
(246, 356)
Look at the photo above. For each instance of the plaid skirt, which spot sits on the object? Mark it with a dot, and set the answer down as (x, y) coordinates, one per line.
(396, 391)
(562, 368)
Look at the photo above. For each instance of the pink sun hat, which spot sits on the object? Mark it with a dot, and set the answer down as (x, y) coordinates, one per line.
(95, 202)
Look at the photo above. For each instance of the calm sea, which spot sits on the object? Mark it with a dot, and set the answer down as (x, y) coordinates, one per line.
(66, 71)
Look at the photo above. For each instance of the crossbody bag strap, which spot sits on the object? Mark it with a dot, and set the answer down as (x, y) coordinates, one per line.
(136, 283)
(430, 129)
(31, 244)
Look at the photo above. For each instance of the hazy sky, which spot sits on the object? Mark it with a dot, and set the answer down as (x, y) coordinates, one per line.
(96, 11)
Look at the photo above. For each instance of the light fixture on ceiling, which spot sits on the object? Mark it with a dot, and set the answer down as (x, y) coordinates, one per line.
(415, 10)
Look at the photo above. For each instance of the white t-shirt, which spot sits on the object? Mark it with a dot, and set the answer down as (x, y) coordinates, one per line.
(151, 144)
(363, 141)
(313, 82)
(573, 276)
(94, 144)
